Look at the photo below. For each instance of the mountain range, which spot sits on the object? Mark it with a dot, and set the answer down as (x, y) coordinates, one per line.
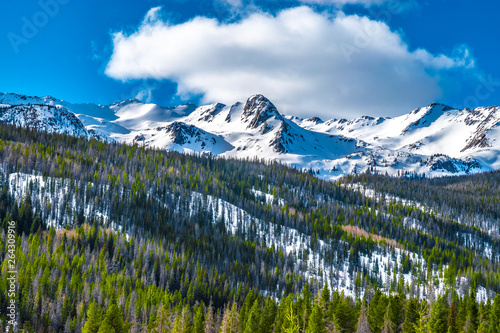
(435, 140)
(148, 236)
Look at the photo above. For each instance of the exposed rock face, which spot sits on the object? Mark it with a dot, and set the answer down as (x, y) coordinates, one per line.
(282, 139)
(258, 109)
(209, 113)
(315, 120)
(182, 133)
(452, 165)
(480, 139)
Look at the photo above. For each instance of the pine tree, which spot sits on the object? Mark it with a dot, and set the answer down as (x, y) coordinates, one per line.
(388, 325)
(268, 316)
(376, 311)
(324, 300)
(226, 318)
(316, 323)
(333, 325)
(396, 305)
(469, 326)
(230, 322)
(210, 321)
(245, 310)
(163, 319)
(363, 326)
(461, 313)
(198, 326)
(472, 309)
(305, 300)
(152, 324)
(114, 317)
(106, 328)
(495, 315)
(234, 318)
(452, 318)
(178, 324)
(345, 313)
(290, 324)
(439, 316)
(94, 318)
(422, 323)
(160, 322)
(252, 324)
(186, 325)
(485, 313)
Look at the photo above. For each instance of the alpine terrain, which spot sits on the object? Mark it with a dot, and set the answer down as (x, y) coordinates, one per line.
(133, 217)
(435, 140)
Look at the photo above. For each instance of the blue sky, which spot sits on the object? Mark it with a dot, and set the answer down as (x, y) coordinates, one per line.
(312, 57)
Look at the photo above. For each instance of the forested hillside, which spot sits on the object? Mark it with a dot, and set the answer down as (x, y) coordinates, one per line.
(112, 237)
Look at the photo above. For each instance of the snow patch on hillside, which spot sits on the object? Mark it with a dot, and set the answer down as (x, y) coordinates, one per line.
(53, 196)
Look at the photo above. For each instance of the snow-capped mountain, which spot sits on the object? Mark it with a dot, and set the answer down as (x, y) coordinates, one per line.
(433, 140)
(48, 118)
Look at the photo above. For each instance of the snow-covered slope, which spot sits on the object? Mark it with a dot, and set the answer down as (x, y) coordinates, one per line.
(434, 140)
(48, 118)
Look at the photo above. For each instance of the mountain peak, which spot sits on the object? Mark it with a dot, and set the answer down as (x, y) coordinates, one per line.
(207, 113)
(47, 118)
(315, 120)
(444, 107)
(426, 116)
(433, 107)
(258, 110)
(126, 102)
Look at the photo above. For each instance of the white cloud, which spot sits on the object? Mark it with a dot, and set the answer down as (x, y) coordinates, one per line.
(308, 63)
(345, 2)
(152, 16)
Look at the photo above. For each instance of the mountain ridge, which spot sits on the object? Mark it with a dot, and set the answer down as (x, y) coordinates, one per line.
(435, 140)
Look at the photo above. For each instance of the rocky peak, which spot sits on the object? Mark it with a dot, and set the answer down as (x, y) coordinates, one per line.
(208, 113)
(315, 120)
(258, 109)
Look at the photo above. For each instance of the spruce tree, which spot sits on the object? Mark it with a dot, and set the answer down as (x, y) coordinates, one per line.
(94, 319)
(290, 324)
(268, 316)
(233, 319)
(495, 315)
(316, 323)
(324, 300)
(422, 323)
(114, 317)
(395, 308)
(439, 316)
(106, 328)
(252, 324)
(472, 309)
(452, 318)
(484, 318)
(198, 326)
(388, 326)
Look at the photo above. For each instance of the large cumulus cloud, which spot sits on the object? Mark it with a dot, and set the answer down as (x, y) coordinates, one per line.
(308, 63)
